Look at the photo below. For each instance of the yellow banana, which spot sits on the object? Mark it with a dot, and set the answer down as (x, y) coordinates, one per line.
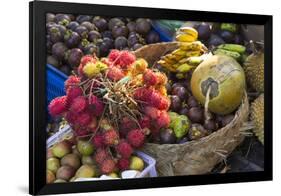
(185, 38)
(179, 52)
(189, 31)
(196, 46)
(168, 60)
(184, 68)
(193, 53)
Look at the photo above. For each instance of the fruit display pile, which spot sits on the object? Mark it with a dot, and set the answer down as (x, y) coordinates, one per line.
(115, 103)
(70, 37)
(71, 160)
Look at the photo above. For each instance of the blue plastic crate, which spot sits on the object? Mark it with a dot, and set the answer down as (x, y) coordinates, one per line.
(55, 83)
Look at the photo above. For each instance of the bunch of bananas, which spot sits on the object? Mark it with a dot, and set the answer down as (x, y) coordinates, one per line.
(186, 34)
(235, 51)
(184, 58)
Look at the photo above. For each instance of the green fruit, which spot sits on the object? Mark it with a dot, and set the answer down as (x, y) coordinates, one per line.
(232, 54)
(229, 27)
(85, 171)
(59, 181)
(233, 47)
(50, 177)
(173, 115)
(136, 163)
(254, 69)
(65, 172)
(85, 147)
(257, 116)
(61, 149)
(87, 160)
(180, 125)
(226, 80)
(53, 164)
(71, 160)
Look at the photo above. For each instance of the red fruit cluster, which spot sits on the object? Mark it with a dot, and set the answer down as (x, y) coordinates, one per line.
(124, 149)
(108, 166)
(96, 105)
(123, 164)
(83, 108)
(100, 155)
(115, 73)
(71, 82)
(111, 137)
(57, 106)
(123, 58)
(98, 141)
(136, 138)
(151, 78)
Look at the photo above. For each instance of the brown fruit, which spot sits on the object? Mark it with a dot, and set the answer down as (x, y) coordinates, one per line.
(71, 160)
(65, 172)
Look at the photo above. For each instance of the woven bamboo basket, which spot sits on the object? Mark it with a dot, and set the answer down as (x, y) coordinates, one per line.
(198, 156)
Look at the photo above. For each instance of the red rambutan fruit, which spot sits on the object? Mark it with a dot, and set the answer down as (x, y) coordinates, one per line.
(78, 105)
(71, 81)
(161, 78)
(150, 78)
(86, 59)
(144, 122)
(123, 164)
(113, 55)
(72, 93)
(159, 101)
(111, 137)
(124, 149)
(108, 166)
(57, 106)
(115, 73)
(127, 124)
(100, 155)
(163, 120)
(143, 94)
(152, 112)
(96, 105)
(81, 132)
(84, 118)
(126, 59)
(98, 141)
(71, 117)
(136, 138)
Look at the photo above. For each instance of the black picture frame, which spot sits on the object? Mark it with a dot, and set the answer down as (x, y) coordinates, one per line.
(37, 99)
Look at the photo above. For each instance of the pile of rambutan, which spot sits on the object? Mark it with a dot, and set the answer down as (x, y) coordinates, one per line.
(116, 103)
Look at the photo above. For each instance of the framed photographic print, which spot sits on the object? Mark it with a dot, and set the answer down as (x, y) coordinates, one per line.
(132, 97)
